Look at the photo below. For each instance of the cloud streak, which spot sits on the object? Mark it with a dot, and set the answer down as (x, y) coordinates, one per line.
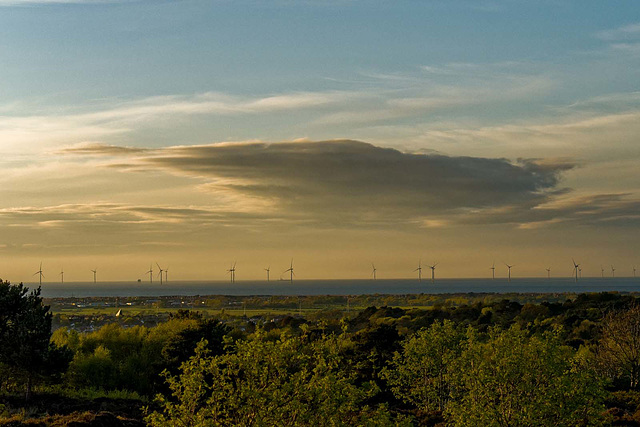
(374, 98)
(629, 31)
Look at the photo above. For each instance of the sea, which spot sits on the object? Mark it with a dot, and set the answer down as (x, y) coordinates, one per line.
(338, 287)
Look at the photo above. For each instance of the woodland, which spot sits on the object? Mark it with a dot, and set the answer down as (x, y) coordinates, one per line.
(493, 362)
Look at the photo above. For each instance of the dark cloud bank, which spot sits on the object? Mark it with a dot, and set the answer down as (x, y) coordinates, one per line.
(348, 181)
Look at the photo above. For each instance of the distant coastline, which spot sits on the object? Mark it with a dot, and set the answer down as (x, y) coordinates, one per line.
(338, 287)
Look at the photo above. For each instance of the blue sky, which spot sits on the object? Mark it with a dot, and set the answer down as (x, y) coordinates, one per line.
(550, 87)
(89, 50)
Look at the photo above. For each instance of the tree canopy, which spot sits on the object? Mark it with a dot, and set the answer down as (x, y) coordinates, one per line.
(25, 332)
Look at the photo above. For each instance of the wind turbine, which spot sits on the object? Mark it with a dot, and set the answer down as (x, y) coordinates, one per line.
(613, 271)
(268, 270)
(290, 271)
(509, 267)
(166, 275)
(602, 271)
(40, 273)
(232, 272)
(95, 272)
(150, 273)
(433, 271)
(373, 271)
(548, 273)
(493, 271)
(419, 270)
(61, 275)
(576, 266)
(634, 271)
(580, 271)
(160, 273)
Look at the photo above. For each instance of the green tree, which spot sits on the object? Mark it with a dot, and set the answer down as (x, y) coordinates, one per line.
(25, 330)
(180, 347)
(619, 348)
(516, 380)
(420, 373)
(264, 383)
(114, 357)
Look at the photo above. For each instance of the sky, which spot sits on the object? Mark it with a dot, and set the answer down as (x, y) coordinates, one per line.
(337, 133)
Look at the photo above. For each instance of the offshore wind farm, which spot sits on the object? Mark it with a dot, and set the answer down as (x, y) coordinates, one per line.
(573, 281)
(289, 284)
(340, 287)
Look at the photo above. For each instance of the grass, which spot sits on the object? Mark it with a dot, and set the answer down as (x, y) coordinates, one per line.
(86, 418)
(62, 406)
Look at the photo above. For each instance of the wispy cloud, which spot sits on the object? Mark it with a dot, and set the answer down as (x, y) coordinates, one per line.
(630, 31)
(431, 97)
(22, 131)
(594, 210)
(633, 48)
(378, 98)
(625, 39)
(583, 135)
(100, 149)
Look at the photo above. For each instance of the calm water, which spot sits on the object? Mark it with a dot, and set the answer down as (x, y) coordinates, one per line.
(338, 287)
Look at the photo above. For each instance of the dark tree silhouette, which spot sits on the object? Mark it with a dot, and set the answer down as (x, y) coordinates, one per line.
(25, 330)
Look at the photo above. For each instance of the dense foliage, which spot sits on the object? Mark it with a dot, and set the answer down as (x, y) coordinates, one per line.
(483, 362)
(291, 381)
(513, 379)
(25, 329)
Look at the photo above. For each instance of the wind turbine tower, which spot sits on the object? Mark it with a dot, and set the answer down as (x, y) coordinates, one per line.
(290, 271)
(509, 267)
(613, 271)
(95, 272)
(548, 273)
(634, 271)
(602, 271)
(166, 275)
(268, 270)
(232, 272)
(39, 272)
(373, 271)
(160, 273)
(576, 266)
(493, 271)
(150, 273)
(433, 272)
(62, 275)
(419, 270)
